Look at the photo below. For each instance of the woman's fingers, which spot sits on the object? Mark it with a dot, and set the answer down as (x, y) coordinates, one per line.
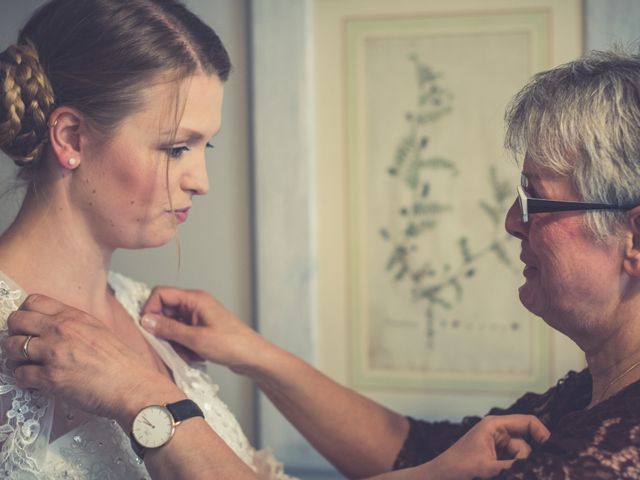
(171, 329)
(162, 298)
(42, 304)
(32, 376)
(13, 347)
(517, 448)
(508, 426)
(528, 425)
(22, 322)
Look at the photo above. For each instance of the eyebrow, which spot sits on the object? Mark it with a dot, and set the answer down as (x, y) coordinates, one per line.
(184, 133)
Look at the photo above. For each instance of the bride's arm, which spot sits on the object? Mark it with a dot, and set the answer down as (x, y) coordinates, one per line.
(360, 437)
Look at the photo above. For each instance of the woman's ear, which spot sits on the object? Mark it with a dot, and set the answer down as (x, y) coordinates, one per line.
(632, 246)
(64, 136)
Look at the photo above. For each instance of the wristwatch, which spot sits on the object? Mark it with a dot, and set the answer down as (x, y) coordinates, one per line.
(154, 425)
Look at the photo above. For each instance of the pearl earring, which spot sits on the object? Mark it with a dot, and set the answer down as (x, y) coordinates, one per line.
(72, 162)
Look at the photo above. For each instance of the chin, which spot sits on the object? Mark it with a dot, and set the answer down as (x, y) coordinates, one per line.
(528, 300)
(150, 241)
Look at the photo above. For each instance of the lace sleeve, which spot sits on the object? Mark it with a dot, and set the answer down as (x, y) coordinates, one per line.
(427, 440)
(25, 416)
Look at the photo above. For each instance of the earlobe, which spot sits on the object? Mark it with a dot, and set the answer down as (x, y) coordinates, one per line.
(632, 246)
(64, 134)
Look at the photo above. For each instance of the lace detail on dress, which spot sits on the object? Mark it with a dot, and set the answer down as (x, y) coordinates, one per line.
(99, 449)
(23, 410)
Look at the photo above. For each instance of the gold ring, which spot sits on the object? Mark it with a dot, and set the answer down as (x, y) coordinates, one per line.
(25, 348)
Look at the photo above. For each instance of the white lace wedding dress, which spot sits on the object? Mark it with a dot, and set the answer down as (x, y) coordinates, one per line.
(98, 448)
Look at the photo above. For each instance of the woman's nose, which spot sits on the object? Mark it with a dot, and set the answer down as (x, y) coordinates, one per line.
(196, 179)
(513, 223)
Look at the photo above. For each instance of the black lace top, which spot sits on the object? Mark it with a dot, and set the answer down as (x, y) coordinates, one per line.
(601, 443)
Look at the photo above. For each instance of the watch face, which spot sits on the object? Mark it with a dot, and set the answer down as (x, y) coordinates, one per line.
(153, 426)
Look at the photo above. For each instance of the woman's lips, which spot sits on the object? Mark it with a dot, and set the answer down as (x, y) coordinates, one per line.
(529, 271)
(528, 268)
(181, 214)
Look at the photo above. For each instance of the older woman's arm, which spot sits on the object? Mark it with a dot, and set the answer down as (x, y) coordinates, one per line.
(360, 437)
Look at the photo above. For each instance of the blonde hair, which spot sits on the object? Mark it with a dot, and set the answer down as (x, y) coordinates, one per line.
(27, 98)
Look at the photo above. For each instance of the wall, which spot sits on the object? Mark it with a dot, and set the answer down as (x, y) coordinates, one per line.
(611, 22)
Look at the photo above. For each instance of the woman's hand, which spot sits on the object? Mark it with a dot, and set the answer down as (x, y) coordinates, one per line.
(193, 319)
(484, 451)
(488, 448)
(74, 356)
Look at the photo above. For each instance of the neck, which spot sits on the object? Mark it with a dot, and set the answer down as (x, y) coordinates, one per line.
(49, 250)
(614, 361)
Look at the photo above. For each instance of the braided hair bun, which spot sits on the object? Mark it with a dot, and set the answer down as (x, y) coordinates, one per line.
(26, 100)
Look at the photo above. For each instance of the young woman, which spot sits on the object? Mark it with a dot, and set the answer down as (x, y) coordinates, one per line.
(107, 106)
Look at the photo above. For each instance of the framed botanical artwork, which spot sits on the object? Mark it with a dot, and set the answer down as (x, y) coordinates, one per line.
(393, 185)
(431, 269)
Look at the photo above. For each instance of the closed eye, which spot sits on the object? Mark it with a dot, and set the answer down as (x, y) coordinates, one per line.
(176, 152)
(209, 145)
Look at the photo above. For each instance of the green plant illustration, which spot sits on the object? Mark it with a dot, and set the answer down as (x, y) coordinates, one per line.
(437, 286)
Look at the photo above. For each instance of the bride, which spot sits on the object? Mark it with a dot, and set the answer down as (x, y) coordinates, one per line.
(107, 107)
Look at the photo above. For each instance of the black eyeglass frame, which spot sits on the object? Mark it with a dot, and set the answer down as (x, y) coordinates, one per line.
(529, 205)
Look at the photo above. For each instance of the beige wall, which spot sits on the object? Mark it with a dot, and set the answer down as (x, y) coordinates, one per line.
(215, 243)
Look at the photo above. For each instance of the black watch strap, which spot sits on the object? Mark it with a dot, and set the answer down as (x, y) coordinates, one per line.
(184, 409)
(180, 411)
(136, 447)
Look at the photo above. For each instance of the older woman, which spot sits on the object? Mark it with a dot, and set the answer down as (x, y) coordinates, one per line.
(578, 129)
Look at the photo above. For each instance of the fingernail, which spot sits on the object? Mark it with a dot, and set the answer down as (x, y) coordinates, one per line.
(149, 322)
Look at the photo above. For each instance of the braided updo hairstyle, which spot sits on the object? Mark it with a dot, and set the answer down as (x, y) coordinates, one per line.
(96, 56)
(27, 99)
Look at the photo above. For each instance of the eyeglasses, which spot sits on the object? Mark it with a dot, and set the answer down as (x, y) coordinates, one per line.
(530, 205)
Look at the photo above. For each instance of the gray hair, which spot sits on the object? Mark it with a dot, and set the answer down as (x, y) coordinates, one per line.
(582, 119)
